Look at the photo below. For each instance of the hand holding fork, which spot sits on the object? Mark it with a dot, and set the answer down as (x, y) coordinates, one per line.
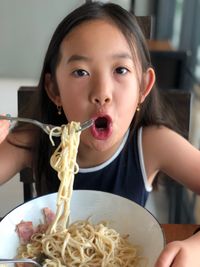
(45, 127)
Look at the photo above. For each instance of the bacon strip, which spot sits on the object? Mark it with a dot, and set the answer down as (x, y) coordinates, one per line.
(25, 231)
(49, 215)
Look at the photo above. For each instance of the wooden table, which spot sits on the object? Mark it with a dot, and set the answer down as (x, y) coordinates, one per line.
(174, 232)
(159, 45)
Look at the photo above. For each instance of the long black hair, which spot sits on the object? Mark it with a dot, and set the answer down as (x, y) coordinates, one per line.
(46, 111)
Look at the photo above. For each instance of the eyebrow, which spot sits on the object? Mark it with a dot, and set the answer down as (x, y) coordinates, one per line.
(78, 58)
(122, 55)
(85, 58)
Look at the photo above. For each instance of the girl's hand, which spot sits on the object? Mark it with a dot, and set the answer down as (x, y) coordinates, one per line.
(4, 129)
(181, 253)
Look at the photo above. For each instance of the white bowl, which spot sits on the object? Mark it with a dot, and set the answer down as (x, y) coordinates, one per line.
(124, 215)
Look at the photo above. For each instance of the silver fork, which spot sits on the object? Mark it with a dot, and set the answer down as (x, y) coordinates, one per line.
(6, 261)
(46, 127)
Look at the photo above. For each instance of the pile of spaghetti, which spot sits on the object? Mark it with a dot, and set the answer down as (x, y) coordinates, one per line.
(82, 243)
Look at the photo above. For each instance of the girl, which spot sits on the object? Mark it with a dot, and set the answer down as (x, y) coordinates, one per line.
(98, 66)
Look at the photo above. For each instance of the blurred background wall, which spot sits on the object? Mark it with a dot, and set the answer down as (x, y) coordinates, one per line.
(26, 27)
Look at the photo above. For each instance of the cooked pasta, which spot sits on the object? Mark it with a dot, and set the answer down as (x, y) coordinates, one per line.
(64, 162)
(82, 243)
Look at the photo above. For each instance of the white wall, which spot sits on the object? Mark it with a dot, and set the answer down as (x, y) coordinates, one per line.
(25, 30)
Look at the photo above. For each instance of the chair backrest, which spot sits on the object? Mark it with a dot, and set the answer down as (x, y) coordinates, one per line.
(146, 24)
(26, 175)
(170, 68)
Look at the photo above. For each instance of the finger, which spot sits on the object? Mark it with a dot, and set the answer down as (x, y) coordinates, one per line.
(168, 255)
(4, 130)
(5, 123)
(4, 127)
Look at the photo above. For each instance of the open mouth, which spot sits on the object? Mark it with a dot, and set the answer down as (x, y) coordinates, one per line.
(101, 123)
(102, 127)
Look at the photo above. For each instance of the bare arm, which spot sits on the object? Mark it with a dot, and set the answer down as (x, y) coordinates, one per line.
(13, 158)
(167, 151)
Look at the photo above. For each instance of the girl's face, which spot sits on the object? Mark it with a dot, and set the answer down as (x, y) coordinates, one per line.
(97, 78)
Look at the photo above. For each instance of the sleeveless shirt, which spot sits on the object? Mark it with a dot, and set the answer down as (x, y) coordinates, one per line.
(123, 174)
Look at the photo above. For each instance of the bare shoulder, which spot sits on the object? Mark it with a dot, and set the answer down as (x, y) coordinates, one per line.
(161, 135)
(158, 130)
(163, 142)
(167, 151)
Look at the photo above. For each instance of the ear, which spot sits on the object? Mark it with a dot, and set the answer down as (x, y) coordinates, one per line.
(149, 80)
(51, 90)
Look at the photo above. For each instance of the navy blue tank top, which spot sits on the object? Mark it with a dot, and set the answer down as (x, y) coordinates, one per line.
(123, 174)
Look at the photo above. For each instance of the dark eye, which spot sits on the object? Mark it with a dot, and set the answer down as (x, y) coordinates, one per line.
(80, 73)
(121, 70)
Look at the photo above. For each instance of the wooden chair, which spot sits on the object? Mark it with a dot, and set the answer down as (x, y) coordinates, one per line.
(170, 68)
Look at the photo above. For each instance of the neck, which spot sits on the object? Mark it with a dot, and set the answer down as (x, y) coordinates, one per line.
(89, 157)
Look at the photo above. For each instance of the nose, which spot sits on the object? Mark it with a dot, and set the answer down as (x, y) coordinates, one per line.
(101, 99)
(101, 92)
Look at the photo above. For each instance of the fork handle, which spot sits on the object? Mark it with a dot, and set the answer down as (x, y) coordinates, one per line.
(9, 118)
(5, 117)
(4, 261)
